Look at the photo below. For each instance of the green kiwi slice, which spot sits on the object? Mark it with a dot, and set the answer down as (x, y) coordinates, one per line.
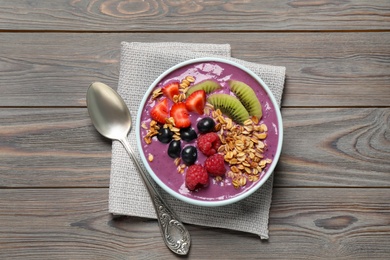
(247, 97)
(208, 86)
(230, 106)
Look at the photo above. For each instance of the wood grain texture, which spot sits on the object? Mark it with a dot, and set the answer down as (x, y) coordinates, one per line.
(177, 15)
(323, 147)
(56, 148)
(323, 69)
(331, 188)
(336, 147)
(74, 223)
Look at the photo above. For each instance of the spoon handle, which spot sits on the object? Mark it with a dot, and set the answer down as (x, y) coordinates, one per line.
(175, 234)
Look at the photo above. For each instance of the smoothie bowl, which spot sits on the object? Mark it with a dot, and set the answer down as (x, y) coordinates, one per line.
(209, 131)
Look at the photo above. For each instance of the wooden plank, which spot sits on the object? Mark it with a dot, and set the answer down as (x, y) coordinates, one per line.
(59, 147)
(336, 147)
(322, 147)
(304, 223)
(202, 16)
(323, 69)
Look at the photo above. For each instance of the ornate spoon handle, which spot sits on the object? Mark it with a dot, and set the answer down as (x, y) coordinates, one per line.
(175, 235)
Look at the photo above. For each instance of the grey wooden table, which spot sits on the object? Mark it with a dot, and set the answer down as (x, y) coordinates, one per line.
(332, 186)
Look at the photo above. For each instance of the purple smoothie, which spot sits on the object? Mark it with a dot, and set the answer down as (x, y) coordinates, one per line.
(163, 166)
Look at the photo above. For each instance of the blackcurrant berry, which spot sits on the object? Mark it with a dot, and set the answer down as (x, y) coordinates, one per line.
(189, 155)
(187, 134)
(174, 149)
(164, 135)
(206, 125)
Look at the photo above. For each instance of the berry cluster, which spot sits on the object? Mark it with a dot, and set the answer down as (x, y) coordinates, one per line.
(197, 175)
(208, 141)
(214, 165)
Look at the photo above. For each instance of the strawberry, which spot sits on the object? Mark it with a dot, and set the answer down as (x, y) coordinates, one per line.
(160, 111)
(180, 114)
(196, 102)
(171, 89)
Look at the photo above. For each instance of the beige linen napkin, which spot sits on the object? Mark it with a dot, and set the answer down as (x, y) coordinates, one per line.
(140, 65)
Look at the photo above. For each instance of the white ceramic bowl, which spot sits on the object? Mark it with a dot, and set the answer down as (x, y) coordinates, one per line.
(163, 170)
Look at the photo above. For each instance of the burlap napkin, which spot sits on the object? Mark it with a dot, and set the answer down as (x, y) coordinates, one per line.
(140, 65)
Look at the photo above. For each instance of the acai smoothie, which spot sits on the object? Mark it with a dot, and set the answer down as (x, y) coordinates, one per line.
(248, 140)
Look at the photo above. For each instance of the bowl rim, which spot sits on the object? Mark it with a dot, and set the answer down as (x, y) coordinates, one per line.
(241, 196)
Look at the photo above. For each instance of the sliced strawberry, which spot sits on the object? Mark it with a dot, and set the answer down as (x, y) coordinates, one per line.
(171, 89)
(180, 114)
(160, 111)
(196, 101)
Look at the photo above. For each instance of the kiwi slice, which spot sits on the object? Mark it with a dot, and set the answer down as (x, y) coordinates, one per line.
(208, 86)
(230, 106)
(247, 97)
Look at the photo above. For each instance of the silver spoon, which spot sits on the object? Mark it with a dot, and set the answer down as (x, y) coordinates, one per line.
(112, 119)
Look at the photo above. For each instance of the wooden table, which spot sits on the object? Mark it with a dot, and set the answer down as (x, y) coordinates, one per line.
(332, 186)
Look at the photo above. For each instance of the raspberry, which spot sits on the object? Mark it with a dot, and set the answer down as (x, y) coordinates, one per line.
(196, 177)
(215, 165)
(209, 143)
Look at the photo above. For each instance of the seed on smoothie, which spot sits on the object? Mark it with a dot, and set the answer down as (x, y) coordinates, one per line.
(190, 79)
(177, 161)
(186, 82)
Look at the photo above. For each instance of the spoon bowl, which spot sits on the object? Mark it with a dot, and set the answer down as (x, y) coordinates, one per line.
(112, 119)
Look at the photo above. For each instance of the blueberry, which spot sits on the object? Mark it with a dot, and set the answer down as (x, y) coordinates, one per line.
(206, 125)
(189, 155)
(187, 134)
(174, 149)
(164, 135)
